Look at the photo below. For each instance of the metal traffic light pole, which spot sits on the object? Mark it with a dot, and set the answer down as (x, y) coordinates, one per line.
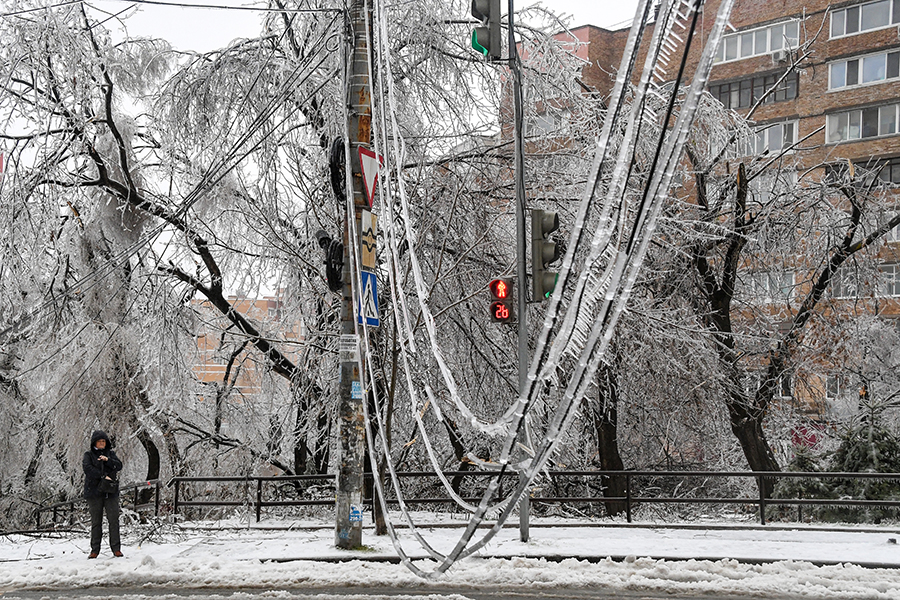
(516, 68)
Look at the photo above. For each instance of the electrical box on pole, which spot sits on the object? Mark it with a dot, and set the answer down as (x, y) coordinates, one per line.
(486, 39)
(543, 252)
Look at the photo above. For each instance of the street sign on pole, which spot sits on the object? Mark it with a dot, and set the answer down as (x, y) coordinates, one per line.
(367, 242)
(367, 306)
(370, 164)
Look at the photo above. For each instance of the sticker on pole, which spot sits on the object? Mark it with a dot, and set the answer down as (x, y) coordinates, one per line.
(367, 305)
(356, 392)
(370, 164)
(356, 514)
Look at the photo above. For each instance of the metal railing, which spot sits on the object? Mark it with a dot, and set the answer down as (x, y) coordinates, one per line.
(256, 487)
(66, 509)
(251, 483)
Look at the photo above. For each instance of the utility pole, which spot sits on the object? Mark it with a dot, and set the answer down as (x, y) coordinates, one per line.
(516, 68)
(351, 422)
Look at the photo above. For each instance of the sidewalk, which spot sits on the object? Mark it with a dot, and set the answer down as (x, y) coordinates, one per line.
(866, 547)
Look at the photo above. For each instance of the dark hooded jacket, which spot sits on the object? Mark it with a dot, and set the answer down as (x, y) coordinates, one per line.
(94, 468)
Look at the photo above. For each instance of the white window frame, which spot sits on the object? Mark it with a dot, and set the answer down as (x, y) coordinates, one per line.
(844, 284)
(841, 14)
(860, 60)
(889, 286)
(894, 234)
(848, 125)
(834, 387)
(764, 286)
(774, 43)
(785, 386)
(761, 139)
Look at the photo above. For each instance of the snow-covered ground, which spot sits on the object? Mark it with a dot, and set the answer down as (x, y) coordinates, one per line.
(768, 562)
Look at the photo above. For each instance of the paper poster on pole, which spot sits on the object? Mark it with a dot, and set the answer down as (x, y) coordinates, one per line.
(367, 305)
(368, 242)
(370, 164)
(349, 347)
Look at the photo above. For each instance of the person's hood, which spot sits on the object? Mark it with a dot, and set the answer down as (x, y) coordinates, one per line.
(100, 435)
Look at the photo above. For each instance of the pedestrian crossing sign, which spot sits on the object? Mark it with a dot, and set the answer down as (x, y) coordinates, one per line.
(367, 305)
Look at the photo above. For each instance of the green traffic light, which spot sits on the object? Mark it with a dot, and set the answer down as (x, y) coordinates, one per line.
(475, 43)
(549, 292)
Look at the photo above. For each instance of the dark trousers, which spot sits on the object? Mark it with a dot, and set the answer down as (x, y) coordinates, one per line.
(96, 506)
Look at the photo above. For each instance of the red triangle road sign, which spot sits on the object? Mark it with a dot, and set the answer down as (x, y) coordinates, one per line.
(370, 164)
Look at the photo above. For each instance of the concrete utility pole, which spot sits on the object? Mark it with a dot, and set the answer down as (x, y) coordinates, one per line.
(351, 423)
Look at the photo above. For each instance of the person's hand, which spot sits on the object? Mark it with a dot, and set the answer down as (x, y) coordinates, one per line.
(103, 458)
(108, 477)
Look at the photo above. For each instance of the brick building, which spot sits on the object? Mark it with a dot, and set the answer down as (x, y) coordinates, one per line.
(838, 101)
(847, 87)
(218, 352)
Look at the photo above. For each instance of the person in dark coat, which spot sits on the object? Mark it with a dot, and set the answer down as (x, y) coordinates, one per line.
(101, 462)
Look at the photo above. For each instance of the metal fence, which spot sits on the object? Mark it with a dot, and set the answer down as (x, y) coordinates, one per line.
(637, 490)
(576, 488)
(143, 495)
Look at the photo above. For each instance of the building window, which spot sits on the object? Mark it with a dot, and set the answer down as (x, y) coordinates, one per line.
(768, 186)
(746, 92)
(845, 283)
(863, 123)
(890, 173)
(769, 286)
(886, 169)
(868, 69)
(894, 234)
(772, 138)
(834, 387)
(890, 280)
(545, 123)
(864, 17)
(763, 40)
(785, 387)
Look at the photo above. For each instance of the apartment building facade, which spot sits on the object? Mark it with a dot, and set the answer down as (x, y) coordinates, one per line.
(222, 359)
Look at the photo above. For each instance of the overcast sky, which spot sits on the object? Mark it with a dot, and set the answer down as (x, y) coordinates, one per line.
(205, 29)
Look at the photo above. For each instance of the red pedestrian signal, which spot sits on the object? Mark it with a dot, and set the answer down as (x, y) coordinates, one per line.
(499, 289)
(501, 305)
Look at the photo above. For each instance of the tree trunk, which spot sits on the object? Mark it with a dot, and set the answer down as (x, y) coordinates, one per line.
(35, 461)
(747, 427)
(605, 417)
(153, 463)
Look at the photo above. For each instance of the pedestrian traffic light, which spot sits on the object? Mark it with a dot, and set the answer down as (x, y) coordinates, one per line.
(501, 305)
(486, 39)
(543, 252)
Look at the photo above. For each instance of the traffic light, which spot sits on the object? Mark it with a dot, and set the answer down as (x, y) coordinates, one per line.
(334, 260)
(501, 306)
(543, 252)
(486, 39)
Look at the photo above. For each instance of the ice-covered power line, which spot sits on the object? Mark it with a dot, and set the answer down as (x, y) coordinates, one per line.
(258, 9)
(585, 306)
(180, 5)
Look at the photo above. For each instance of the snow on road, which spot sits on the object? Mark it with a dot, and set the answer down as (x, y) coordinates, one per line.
(764, 562)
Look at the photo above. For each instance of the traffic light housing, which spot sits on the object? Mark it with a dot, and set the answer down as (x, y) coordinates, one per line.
(334, 260)
(543, 252)
(501, 310)
(486, 39)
